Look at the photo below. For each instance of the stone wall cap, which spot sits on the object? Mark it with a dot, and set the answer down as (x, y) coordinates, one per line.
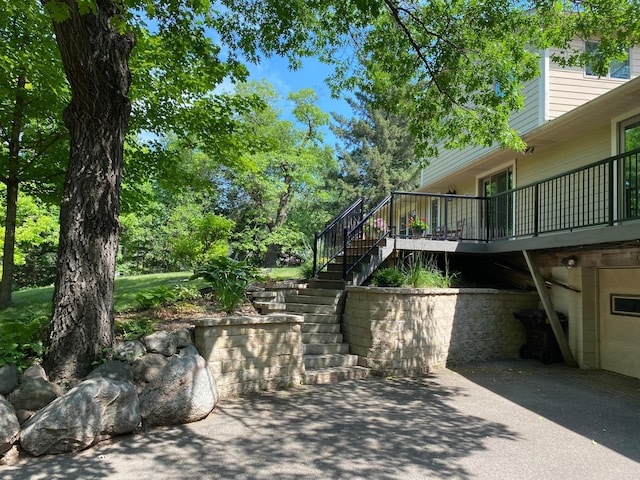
(436, 291)
(271, 318)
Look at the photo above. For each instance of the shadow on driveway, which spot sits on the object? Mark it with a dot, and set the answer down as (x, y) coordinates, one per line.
(596, 404)
(487, 421)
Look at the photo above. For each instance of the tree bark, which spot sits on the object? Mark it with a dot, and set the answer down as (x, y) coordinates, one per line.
(11, 181)
(95, 58)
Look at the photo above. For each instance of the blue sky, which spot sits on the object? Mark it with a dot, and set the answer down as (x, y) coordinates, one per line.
(312, 75)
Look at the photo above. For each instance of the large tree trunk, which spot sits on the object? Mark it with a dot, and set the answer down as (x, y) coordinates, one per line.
(95, 58)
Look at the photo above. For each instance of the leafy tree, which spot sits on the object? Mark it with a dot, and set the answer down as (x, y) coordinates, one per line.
(443, 57)
(33, 139)
(378, 153)
(293, 164)
(36, 242)
(181, 68)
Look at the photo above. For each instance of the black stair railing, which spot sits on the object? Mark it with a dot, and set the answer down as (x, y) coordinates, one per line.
(329, 243)
(360, 241)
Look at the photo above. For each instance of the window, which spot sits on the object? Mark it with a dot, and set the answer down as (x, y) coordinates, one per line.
(629, 131)
(617, 69)
(628, 305)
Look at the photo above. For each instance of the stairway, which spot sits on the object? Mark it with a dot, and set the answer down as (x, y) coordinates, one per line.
(326, 356)
(321, 302)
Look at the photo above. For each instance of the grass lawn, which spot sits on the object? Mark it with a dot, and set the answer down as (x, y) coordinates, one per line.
(33, 302)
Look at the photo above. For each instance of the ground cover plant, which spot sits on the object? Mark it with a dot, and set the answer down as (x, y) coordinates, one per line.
(143, 304)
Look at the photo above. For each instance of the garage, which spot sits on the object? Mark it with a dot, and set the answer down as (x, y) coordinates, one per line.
(619, 328)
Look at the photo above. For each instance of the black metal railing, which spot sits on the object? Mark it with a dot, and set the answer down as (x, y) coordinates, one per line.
(436, 216)
(367, 235)
(602, 193)
(329, 243)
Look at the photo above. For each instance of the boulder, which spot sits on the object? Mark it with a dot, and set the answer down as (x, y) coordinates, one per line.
(8, 378)
(9, 426)
(148, 367)
(34, 393)
(161, 342)
(189, 350)
(24, 415)
(184, 337)
(34, 371)
(91, 411)
(184, 392)
(129, 351)
(115, 370)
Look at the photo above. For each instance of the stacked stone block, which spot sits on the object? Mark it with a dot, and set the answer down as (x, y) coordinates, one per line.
(409, 331)
(252, 353)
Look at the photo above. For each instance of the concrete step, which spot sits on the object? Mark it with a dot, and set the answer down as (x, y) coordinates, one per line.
(326, 284)
(322, 292)
(328, 338)
(324, 349)
(312, 299)
(335, 374)
(315, 362)
(330, 276)
(320, 327)
(270, 307)
(304, 308)
(320, 318)
(263, 295)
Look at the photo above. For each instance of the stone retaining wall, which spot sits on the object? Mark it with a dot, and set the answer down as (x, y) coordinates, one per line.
(409, 331)
(252, 353)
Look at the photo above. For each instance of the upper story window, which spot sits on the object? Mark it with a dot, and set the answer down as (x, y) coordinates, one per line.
(618, 69)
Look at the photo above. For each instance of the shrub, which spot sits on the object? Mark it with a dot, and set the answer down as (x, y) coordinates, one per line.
(154, 297)
(135, 329)
(21, 341)
(422, 271)
(388, 277)
(229, 279)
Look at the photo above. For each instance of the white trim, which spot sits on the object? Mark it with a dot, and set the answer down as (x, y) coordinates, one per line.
(487, 173)
(543, 87)
(615, 129)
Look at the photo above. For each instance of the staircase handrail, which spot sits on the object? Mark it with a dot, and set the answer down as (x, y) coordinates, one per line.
(331, 237)
(364, 227)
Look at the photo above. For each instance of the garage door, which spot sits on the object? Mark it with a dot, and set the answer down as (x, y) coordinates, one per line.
(619, 304)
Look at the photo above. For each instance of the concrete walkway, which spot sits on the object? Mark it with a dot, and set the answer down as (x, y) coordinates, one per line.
(499, 420)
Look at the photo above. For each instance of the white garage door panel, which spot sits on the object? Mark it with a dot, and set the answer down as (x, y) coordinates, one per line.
(619, 334)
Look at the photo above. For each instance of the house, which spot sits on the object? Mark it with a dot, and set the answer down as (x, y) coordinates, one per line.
(572, 198)
(570, 202)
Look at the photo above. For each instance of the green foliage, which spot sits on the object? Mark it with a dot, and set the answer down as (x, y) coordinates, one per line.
(422, 271)
(154, 297)
(307, 270)
(378, 155)
(106, 355)
(21, 340)
(388, 277)
(417, 271)
(173, 232)
(277, 203)
(201, 239)
(229, 279)
(135, 329)
(36, 242)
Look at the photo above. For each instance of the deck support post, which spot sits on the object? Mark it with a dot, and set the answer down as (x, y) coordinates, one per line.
(552, 315)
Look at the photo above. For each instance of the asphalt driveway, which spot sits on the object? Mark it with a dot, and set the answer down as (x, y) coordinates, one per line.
(498, 420)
